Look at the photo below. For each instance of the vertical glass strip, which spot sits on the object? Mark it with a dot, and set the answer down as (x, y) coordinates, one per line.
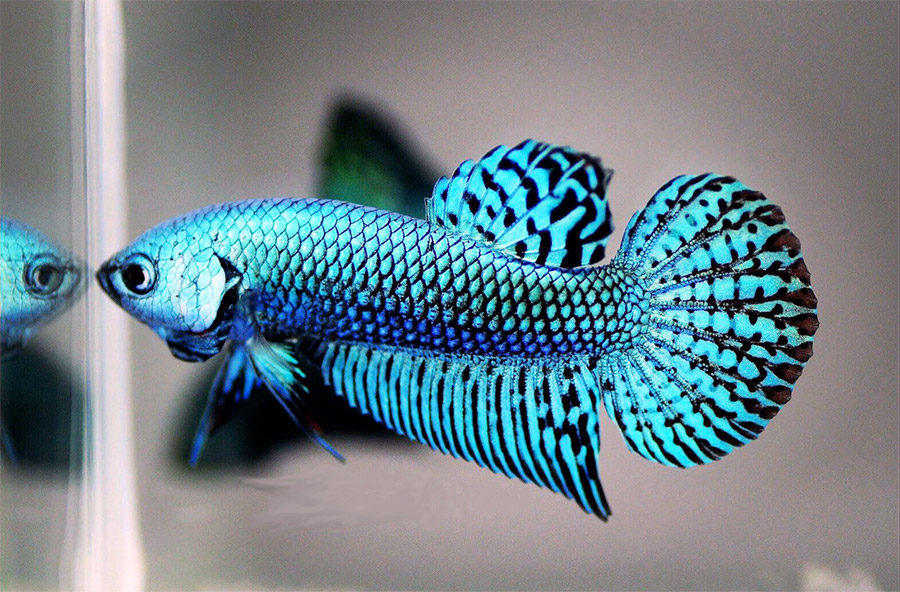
(108, 553)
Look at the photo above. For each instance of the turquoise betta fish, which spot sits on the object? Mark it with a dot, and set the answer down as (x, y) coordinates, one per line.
(486, 330)
(38, 280)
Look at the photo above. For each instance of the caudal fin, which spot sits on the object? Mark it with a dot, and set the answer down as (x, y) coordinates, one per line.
(731, 317)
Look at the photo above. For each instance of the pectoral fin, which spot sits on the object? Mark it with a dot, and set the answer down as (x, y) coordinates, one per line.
(231, 388)
(249, 365)
(281, 369)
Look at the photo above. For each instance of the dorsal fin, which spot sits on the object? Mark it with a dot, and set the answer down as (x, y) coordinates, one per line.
(536, 201)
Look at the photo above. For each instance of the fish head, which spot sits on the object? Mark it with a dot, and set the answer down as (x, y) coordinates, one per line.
(173, 280)
(39, 279)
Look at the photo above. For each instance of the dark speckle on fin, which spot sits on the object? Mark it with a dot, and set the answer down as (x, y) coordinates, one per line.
(731, 319)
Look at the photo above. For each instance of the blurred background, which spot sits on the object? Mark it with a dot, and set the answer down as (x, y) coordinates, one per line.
(229, 101)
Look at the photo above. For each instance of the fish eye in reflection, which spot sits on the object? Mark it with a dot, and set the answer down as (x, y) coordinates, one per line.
(487, 330)
(38, 280)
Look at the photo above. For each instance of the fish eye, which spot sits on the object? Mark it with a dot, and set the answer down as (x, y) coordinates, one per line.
(138, 274)
(43, 276)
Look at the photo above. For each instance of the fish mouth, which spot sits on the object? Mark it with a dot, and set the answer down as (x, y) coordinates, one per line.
(190, 354)
(104, 275)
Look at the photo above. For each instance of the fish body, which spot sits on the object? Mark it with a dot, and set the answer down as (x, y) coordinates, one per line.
(487, 331)
(363, 275)
(38, 280)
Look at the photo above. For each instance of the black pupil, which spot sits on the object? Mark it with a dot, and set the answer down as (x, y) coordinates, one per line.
(45, 276)
(136, 278)
(44, 279)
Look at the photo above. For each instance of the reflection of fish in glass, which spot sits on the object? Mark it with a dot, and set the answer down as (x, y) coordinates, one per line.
(482, 331)
(38, 280)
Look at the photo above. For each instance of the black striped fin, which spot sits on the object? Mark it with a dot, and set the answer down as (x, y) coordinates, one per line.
(536, 201)
(537, 423)
(730, 321)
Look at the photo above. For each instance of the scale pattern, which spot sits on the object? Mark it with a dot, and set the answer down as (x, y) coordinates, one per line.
(341, 272)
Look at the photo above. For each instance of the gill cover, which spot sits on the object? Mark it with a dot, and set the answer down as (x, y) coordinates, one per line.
(202, 292)
(204, 299)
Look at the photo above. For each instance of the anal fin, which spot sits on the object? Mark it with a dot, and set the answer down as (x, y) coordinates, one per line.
(534, 422)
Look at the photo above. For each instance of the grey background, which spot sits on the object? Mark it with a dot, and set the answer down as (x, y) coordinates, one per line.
(227, 101)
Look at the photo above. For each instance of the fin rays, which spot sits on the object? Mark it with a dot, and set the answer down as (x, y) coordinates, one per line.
(533, 422)
(730, 324)
(535, 201)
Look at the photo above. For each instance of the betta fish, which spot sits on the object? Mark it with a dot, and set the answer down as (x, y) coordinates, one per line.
(487, 330)
(38, 280)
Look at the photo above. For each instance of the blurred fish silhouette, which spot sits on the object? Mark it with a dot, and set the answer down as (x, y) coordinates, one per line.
(39, 279)
(366, 159)
(486, 331)
(42, 402)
